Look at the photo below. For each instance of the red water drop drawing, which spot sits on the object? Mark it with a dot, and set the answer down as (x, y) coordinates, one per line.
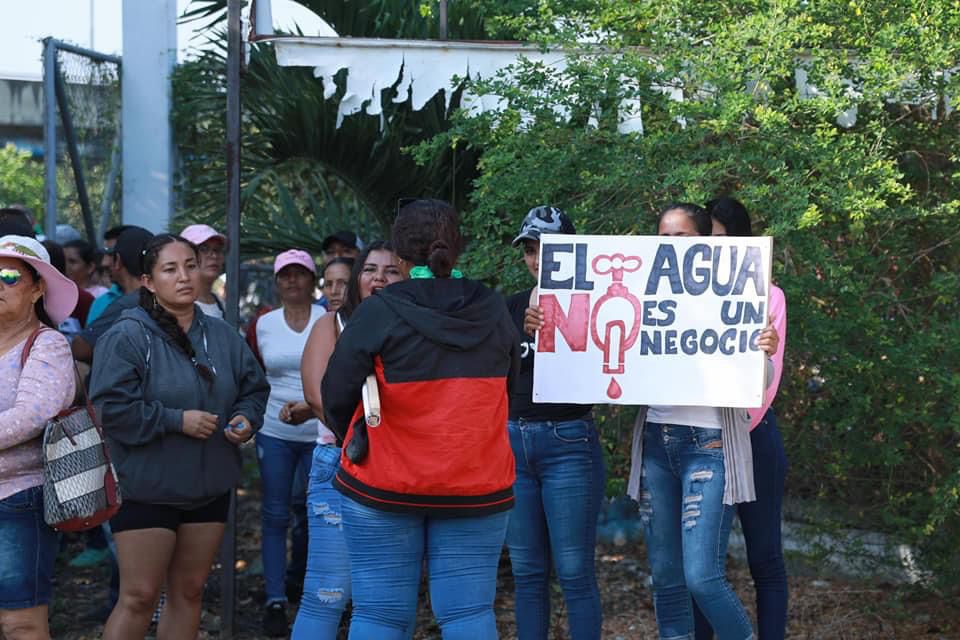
(613, 389)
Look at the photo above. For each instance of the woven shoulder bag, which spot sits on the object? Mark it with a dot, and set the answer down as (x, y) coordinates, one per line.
(80, 489)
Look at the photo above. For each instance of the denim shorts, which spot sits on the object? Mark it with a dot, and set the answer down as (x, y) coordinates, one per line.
(28, 549)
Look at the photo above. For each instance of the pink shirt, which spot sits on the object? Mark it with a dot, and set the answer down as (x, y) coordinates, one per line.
(778, 309)
(28, 399)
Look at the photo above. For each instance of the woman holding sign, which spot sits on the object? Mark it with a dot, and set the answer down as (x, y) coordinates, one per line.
(560, 478)
(760, 519)
(690, 466)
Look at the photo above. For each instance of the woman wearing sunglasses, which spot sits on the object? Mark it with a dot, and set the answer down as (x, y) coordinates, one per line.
(211, 252)
(34, 297)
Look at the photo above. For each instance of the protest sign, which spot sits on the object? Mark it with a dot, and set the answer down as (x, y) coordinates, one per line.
(652, 320)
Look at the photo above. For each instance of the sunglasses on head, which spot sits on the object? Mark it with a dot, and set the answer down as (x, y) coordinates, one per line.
(10, 277)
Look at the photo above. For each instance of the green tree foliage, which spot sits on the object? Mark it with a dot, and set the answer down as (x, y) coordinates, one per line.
(21, 179)
(22, 182)
(865, 214)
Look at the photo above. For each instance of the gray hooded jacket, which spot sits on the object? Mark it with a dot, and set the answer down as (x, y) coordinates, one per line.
(142, 383)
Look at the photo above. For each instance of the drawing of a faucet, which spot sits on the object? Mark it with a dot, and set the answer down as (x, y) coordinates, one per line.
(615, 340)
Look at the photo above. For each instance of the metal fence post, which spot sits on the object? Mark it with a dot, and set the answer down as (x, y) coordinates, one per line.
(228, 550)
(73, 149)
(50, 135)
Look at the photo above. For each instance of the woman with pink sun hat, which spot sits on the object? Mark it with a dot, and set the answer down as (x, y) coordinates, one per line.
(36, 372)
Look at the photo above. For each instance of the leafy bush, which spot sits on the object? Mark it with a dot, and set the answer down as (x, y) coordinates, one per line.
(21, 179)
(865, 213)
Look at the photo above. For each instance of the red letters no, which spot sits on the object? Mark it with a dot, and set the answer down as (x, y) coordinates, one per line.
(574, 325)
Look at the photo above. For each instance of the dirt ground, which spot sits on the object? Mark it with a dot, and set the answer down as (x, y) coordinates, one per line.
(819, 608)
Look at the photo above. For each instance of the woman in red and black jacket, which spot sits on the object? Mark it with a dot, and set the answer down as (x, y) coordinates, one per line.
(435, 477)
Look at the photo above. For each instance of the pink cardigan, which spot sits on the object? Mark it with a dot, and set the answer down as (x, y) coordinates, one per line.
(28, 399)
(778, 309)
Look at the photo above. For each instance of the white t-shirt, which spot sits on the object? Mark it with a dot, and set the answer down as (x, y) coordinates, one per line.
(211, 309)
(281, 349)
(705, 417)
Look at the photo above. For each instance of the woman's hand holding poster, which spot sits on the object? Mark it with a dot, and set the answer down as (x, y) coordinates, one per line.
(652, 320)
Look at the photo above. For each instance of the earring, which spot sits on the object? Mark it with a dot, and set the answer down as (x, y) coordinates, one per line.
(155, 303)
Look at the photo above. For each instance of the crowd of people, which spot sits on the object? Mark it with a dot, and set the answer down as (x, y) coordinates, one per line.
(389, 401)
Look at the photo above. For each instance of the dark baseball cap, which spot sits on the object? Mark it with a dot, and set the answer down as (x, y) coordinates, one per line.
(347, 238)
(130, 245)
(544, 219)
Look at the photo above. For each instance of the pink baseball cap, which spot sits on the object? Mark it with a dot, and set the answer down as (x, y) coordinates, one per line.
(200, 233)
(294, 256)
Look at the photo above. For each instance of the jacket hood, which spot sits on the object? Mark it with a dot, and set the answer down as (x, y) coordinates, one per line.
(139, 314)
(456, 313)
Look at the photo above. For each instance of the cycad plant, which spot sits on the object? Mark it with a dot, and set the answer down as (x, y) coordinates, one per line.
(302, 177)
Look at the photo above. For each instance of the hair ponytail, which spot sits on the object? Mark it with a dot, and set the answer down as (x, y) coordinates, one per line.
(427, 232)
(439, 259)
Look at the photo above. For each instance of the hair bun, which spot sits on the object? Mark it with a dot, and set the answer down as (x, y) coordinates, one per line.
(439, 259)
(428, 233)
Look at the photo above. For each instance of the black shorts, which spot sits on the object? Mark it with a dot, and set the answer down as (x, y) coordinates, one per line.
(142, 515)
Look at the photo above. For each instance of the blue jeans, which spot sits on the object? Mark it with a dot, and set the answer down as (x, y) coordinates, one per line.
(386, 558)
(326, 587)
(687, 527)
(760, 522)
(28, 548)
(559, 491)
(279, 461)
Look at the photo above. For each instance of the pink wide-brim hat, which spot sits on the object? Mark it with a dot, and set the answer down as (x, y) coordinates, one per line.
(60, 297)
(200, 233)
(294, 256)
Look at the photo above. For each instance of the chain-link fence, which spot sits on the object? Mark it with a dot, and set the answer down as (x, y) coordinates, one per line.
(81, 139)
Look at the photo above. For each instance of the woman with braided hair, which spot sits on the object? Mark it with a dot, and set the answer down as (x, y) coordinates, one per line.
(178, 392)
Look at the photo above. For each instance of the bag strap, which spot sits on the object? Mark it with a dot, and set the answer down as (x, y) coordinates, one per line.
(29, 345)
(370, 394)
(86, 396)
(83, 387)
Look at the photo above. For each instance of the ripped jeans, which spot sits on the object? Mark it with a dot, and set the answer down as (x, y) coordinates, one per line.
(326, 588)
(687, 527)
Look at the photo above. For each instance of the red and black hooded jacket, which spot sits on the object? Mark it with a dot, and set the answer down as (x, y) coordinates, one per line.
(444, 352)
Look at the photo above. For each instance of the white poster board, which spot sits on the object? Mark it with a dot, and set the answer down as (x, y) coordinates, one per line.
(652, 320)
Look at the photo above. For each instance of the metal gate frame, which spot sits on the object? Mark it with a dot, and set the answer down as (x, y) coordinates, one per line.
(54, 96)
